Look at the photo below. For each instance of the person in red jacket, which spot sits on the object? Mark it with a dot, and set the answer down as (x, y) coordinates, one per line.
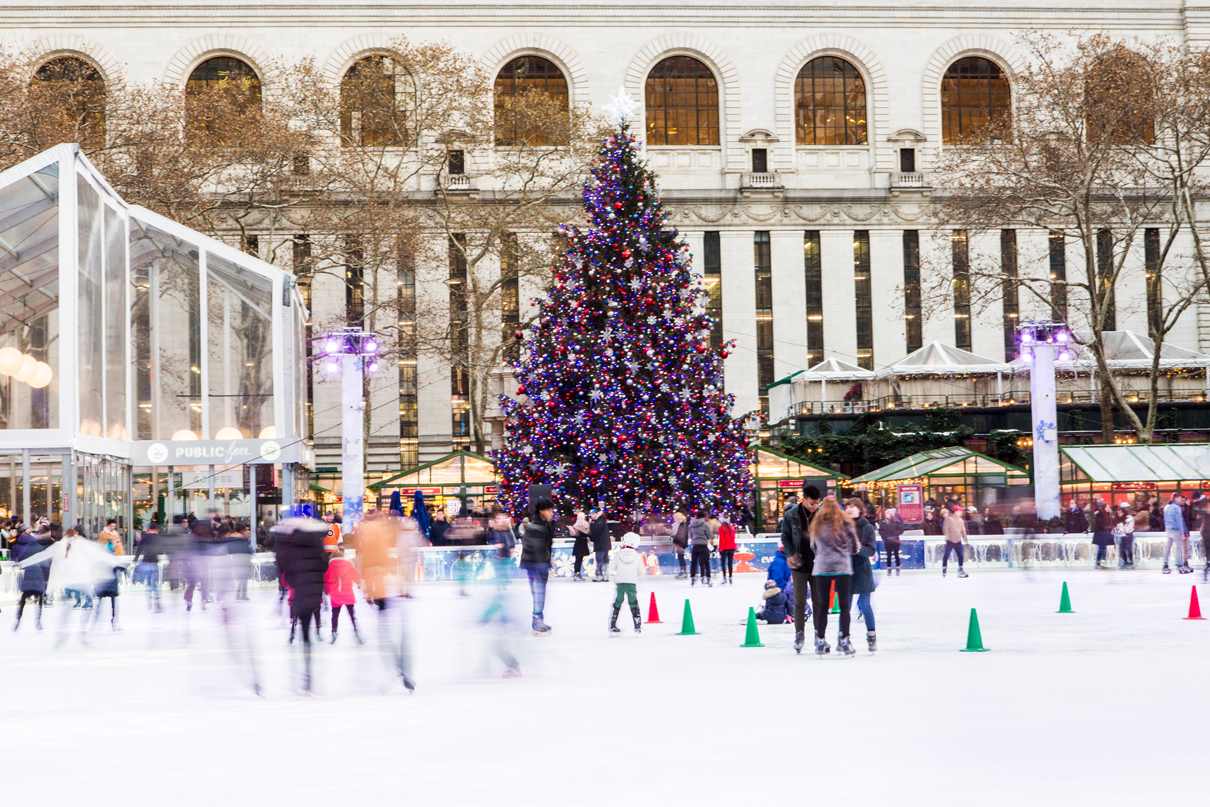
(726, 549)
(339, 583)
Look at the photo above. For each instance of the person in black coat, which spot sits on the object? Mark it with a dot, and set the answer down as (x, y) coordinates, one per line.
(796, 541)
(891, 528)
(33, 580)
(1102, 532)
(302, 561)
(862, 581)
(1074, 520)
(438, 529)
(991, 524)
(536, 546)
(602, 542)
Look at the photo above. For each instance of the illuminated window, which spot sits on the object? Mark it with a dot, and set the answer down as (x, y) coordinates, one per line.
(960, 247)
(682, 104)
(813, 268)
(864, 308)
(218, 91)
(763, 259)
(830, 104)
(1012, 305)
(75, 87)
(375, 95)
(974, 94)
(912, 314)
(521, 76)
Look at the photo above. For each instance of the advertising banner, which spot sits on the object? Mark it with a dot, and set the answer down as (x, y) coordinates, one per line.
(911, 503)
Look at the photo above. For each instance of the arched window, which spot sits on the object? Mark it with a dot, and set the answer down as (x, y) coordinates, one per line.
(829, 104)
(974, 94)
(375, 98)
(220, 89)
(1118, 99)
(682, 104)
(76, 88)
(516, 123)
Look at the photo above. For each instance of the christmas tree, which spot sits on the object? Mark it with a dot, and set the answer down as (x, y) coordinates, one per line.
(620, 396)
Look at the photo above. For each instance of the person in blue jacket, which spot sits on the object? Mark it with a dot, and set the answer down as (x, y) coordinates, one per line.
(33, 580)
(779, 569)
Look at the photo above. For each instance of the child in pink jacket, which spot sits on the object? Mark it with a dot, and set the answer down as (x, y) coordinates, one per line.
(339, 583)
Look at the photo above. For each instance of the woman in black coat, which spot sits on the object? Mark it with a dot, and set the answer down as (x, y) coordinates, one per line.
(33, 579)
(891, 528)
(302, 562)
(579, 550)
(536, 545)
(862, 585)
(991, 524)
(1102, 532)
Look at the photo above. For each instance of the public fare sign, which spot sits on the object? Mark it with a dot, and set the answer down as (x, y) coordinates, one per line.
(212, 452)
(232, 478)
(911, 503)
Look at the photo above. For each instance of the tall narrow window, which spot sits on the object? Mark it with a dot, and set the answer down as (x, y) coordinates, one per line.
(459, 377)
(712, 269)
(682, 104)
(303, 274)
(763, 258)
(1155, 290)
(1058, 275)
(913, 327)
(864, 326)
(960, 246)
(1105, 278)
(510, 296)
(1012, 305)
(409, 413)
(355, 308)
(830, 105)
(813, 270)
(218, 93)
(975, 99)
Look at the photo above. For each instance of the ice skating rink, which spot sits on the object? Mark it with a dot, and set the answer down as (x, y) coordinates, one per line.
(1105, 706)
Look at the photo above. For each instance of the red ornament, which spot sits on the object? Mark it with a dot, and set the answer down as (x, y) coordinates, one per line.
(617, 205)
(520, 389)
(519, 335)
(648, 301)
(625, 253)
(701, 348)
(725, 354)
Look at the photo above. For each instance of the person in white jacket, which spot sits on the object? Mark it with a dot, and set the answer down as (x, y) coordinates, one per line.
(76, 563)
(625, 569)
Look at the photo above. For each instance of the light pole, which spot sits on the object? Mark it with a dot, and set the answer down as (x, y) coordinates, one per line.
(352, 353)
(1042, 342)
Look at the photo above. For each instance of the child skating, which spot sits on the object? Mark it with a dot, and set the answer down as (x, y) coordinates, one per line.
(625, 569)
(340, 584)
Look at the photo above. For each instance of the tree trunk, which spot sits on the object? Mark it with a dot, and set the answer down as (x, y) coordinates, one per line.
(1107, 431)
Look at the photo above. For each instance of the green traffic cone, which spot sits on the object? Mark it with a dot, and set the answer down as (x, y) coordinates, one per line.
(753, 638)
(974, 639)
(687, 622)
(835, 604)
(1065, 602)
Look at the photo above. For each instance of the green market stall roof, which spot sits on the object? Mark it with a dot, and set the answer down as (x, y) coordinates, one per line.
(953, 463)
(1135, 463)
(453, 470)
(770, 464)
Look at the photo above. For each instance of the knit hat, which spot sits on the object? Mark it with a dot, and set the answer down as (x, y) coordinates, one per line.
(631, 540)
(770, 584)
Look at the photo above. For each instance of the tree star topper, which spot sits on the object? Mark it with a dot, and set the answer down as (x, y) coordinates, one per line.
(621, 108)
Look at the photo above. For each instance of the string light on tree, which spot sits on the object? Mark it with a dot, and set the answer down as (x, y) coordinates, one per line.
(621, 395)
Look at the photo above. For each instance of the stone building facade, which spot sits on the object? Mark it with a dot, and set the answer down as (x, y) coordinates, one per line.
(800, 177)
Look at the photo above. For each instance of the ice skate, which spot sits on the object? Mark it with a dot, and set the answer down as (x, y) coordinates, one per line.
(540, 628)
(681, 576)
(638, 620)
(1186, 570)
(961, 573)
(357, 636)
(846, 647)
(896, 571)
(943, 571)
(871, 640)
(1166, 569)
(512, 672)
(822, 648)
(613, 621)
(333, 638)
(706, 580)
(408, 683)
(693, 581)
(800, 638)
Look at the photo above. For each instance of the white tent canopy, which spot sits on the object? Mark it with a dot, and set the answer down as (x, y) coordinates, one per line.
(833, 369)
(937, 358)
(1127, 350)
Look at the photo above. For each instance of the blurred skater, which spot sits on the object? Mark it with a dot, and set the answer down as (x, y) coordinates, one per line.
(374, 538)
(536, 545)
(147, 564)
(834, 542)
(700, 539)
(340, 584)
(680, 540)
(891, 528)
(863, 584)
(33, 578)
(303, 562)
(579, 530)
(1102, 531)
(954, 530)
(627, 566)
(602, 542)
(76, 564)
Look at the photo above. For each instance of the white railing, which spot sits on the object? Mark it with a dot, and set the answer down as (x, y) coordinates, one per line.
(459, 182)
(765, 179)
(907, 179)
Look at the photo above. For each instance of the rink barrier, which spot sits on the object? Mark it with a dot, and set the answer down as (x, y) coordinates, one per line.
(753, 556)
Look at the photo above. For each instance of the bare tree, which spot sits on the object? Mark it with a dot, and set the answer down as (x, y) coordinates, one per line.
(1081, 157)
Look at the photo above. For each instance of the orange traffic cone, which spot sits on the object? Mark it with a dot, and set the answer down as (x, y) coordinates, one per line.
(1195, 610)
(653, 613)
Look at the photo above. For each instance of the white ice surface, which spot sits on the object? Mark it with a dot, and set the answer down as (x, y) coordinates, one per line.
(1106, 706)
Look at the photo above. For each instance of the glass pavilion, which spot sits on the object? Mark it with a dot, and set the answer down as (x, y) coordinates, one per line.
(129, 343)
